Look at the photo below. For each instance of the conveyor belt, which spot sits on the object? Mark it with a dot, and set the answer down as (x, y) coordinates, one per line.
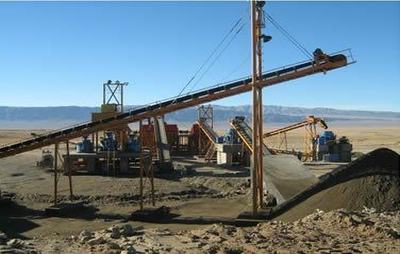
(159, 108)
(161, 140)
(310, 120)
(210, 133)
(246, 134)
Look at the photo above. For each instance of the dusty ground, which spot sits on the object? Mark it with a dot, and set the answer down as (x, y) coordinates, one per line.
(204, 190)
(119, 196)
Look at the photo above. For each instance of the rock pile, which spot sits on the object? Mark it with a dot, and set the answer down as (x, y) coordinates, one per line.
(114, 239)
(334, 231)
(15, 245)
(342, 231)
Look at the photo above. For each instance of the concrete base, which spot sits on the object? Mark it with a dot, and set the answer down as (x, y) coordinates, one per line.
(225, 153)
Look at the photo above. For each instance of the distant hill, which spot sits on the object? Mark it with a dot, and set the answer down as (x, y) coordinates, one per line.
(57, 117)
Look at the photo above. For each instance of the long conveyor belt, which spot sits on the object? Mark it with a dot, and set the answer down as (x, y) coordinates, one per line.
(320, 64)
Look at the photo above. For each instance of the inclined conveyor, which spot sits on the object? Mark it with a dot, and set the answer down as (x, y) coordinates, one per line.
(322, 63)
(210, 133)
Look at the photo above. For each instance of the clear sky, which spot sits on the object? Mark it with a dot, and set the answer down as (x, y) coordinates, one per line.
(58, 53)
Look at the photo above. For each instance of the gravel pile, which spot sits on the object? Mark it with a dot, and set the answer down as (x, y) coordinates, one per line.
(373, 180)
(14, 245)
(339, 231)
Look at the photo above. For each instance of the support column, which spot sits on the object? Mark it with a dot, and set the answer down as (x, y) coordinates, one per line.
(67, 162)
(55, 172)
(141, 168)
(257, 124)
(96, 144)
(151, 175)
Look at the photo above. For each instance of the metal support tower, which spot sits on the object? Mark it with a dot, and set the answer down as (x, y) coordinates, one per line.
(113, 93)
(257, 156)
(206, 114)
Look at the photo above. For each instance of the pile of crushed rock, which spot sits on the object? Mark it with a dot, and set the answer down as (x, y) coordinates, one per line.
(373, 180)
(14, 245)
(366, 231)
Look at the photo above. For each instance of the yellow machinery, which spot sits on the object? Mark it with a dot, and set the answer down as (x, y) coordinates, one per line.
(310, 136)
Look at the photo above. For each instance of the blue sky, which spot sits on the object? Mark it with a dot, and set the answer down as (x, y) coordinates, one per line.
(58, 53)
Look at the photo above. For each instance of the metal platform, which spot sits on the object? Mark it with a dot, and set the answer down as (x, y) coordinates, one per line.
(104, 162)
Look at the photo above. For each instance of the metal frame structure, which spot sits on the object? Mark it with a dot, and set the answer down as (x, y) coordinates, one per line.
(205, 120)
(211, 139)
(309, 137)
(245, 134)
(114, 92)
(206, 115)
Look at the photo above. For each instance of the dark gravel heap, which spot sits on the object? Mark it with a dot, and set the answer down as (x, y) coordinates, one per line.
(372, 180)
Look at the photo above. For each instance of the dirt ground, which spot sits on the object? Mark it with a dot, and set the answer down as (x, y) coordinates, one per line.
(197, 189)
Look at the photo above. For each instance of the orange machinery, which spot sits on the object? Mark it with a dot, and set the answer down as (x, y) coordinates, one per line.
(148, 137)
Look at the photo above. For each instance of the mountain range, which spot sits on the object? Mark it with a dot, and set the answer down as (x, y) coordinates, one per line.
(57, 117)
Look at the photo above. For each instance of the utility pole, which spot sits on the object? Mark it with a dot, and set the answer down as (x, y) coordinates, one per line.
(257, 175)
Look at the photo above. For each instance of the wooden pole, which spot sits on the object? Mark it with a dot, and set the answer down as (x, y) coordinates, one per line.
(96, 144)
(254, 109)
(141, 169)
(257, 110)
(68, 164)
(260, 106)
(152, 181)
(113, 163)
(55, 172)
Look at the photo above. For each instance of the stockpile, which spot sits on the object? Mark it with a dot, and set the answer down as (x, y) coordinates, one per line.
(371, 181)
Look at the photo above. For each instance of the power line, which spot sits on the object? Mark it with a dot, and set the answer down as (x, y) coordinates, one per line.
(237, 67)
(235, 25)
(217, 57)
(211, 55)
(293, 40)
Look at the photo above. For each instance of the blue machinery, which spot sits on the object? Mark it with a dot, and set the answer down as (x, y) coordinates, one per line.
(332, 149)
(86, 146)
(322, 63)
